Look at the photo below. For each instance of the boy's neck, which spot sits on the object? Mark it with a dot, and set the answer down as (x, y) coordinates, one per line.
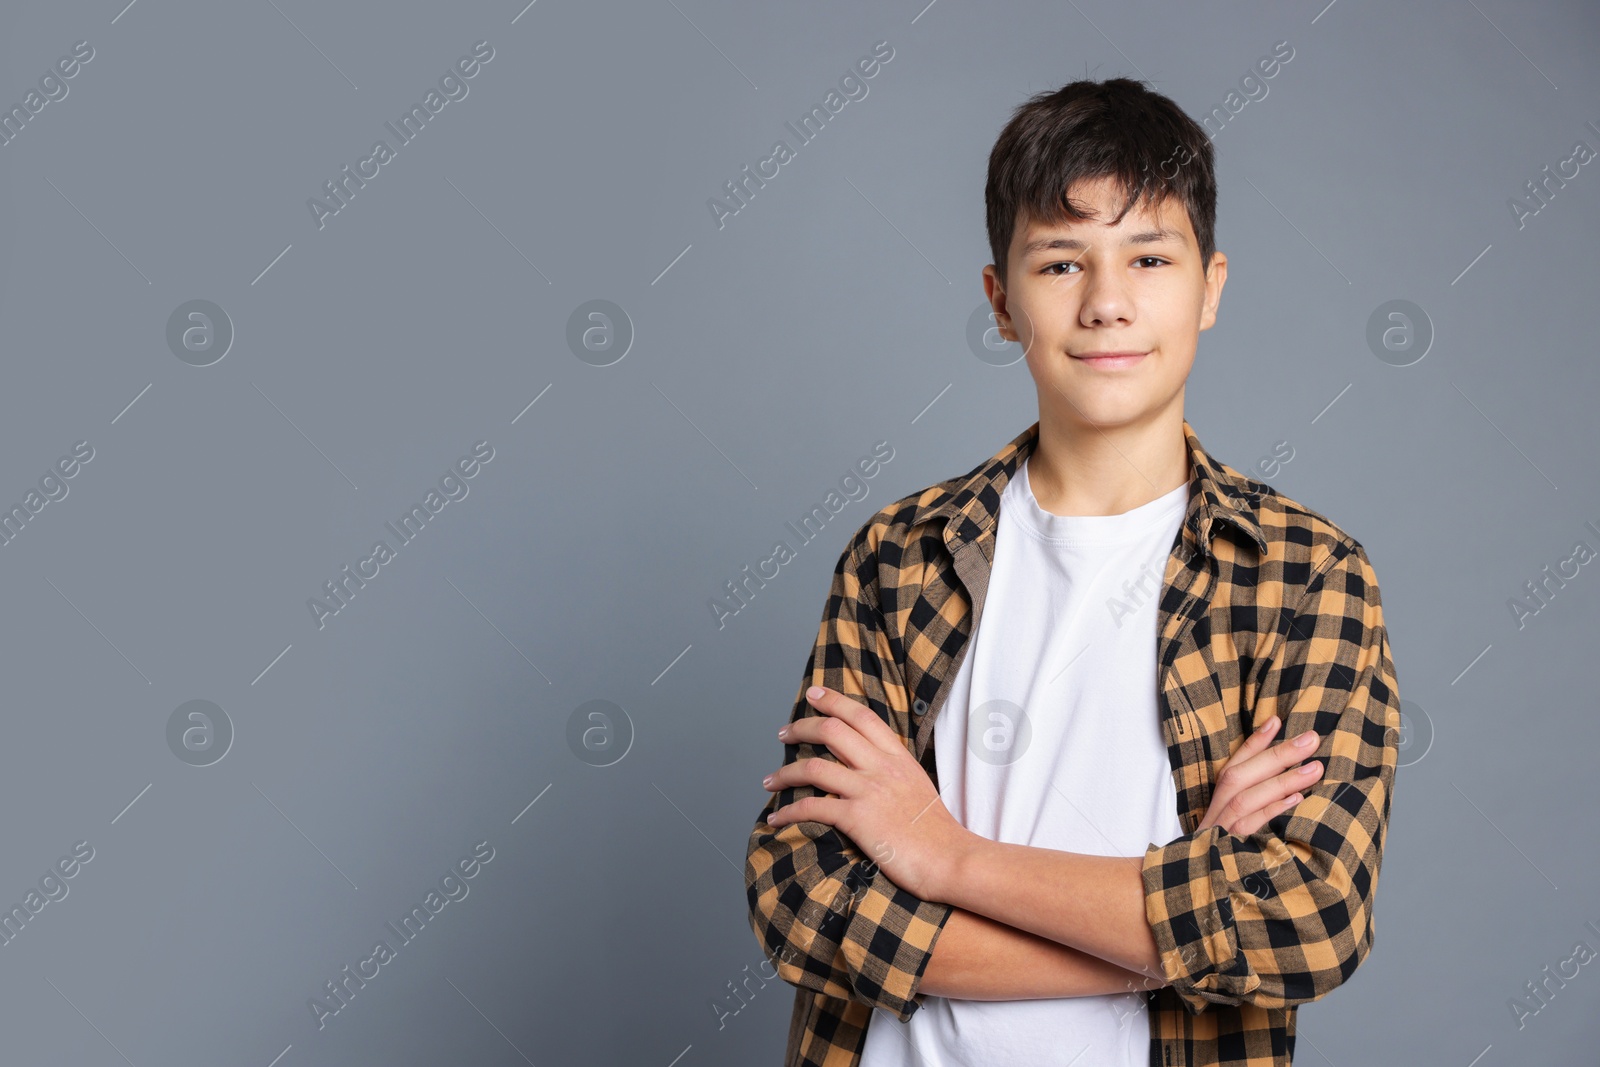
(1079, 469)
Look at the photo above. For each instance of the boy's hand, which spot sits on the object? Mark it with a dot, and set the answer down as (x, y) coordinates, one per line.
(1249, 788)
(882, 798)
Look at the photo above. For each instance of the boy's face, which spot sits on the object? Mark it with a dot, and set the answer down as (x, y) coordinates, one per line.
(1080, 288)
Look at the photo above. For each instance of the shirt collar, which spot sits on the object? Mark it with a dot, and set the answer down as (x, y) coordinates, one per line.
(1218, 494)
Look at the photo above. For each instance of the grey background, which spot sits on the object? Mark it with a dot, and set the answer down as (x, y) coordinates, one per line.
(829, 314)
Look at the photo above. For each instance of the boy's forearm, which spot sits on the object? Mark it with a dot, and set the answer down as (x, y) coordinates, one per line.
(978, 958)
(1095, 904)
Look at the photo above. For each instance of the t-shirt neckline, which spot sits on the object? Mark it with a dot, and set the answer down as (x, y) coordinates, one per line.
(1089, 529)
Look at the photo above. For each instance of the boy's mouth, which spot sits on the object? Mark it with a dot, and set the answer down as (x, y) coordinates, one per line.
(1109, 360)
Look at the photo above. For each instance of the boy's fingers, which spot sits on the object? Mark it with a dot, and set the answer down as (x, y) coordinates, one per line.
(1261, 735)
(1249, 824)
(1251, 780)
(1288, 753)
(1255, 744)
(825, 774)
(836, 735)
(1272, 791)
(858, 715)
(1259, 766)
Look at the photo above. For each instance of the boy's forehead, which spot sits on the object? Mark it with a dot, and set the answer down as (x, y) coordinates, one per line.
(1147, 221)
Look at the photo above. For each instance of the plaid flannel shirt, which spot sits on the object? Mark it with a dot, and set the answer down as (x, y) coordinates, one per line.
(1266, 608)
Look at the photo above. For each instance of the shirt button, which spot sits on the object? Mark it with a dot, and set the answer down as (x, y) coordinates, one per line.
(920, 707)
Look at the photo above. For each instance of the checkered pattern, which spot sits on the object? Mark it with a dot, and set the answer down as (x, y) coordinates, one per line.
(1266, 608)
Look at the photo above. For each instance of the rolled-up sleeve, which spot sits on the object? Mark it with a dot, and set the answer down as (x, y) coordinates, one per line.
(1284, 916)
(829, 918)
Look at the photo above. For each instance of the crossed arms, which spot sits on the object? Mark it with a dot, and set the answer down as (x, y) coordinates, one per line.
(1086, 913)
(854, 886)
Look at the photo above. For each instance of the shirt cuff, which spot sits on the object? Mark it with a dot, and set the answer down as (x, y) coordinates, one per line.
(888, 942)
(1187, 903)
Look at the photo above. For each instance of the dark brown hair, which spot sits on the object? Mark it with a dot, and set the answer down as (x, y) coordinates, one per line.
(1115, 128)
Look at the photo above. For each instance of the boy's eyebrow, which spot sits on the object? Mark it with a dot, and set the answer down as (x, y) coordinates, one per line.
(1072, 244)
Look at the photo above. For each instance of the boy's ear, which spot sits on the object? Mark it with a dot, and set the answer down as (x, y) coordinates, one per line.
(991, 285)
(1216, 277)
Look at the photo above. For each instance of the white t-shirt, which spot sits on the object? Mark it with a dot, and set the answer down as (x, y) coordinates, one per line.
(1050, 738)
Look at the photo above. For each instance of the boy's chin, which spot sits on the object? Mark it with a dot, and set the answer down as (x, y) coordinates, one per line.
(1106, 413)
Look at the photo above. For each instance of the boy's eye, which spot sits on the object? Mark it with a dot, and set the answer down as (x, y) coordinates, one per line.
(1052, 272)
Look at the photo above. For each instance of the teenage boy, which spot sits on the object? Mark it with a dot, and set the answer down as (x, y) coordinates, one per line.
(1086, 887)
